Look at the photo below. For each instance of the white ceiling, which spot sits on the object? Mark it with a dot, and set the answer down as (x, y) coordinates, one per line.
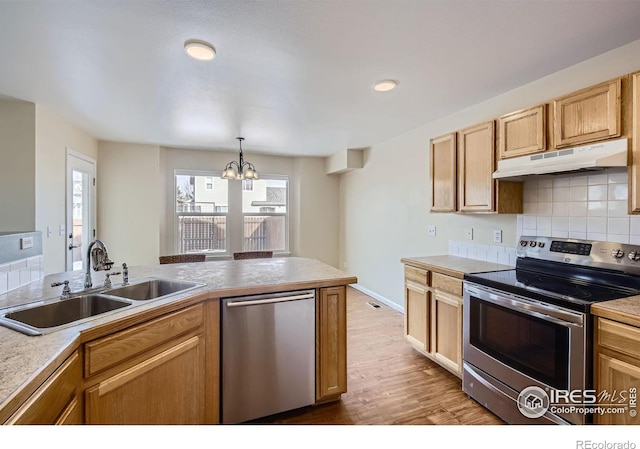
(292, 77)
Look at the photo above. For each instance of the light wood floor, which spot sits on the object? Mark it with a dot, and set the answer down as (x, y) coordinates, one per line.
(388, 381)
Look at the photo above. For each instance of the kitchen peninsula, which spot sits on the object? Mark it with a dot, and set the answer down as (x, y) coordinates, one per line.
(167, 350)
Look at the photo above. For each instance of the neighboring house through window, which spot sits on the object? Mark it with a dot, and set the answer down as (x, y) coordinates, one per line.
(205, 210)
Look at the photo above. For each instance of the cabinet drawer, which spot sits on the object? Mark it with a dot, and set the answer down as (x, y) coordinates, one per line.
(106, 352)
(57, 395)
(619, 337)
(446, 283)
(416, 275)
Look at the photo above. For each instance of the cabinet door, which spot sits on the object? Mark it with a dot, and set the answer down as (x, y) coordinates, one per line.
(443, 173)
(617, 377)
(634, 168)
(588, 115)
(522, 132)
(58, 400)
(165, 388)
(416, 315)
(331, 337)
(446, 330)
(476, 164)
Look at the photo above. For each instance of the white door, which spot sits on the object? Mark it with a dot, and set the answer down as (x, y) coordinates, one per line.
(81, 208)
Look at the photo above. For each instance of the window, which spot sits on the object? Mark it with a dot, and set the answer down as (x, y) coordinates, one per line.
(217, 216)
(202, 204)
(265, 215)
(247, 185)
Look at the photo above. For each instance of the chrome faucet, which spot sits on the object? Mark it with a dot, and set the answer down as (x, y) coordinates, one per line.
(100, 259)
(125, 274)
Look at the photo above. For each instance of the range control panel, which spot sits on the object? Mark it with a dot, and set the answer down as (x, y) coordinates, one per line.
(618, 256)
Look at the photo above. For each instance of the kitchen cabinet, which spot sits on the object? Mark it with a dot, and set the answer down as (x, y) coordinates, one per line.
(522, 132)
(588, 115)
(443, 173)
(331, 343)
(58, 400)
(446, 322)
(416, 307)
(617, 368)
(433, 316)
(477, 190)
(151, 373)
(634, 167)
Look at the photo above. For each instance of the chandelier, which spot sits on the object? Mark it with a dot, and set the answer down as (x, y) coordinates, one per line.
(240, 170)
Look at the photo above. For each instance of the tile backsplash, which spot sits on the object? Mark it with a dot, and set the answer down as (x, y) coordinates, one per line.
(591, 205)
(490, 253)
(20, 272)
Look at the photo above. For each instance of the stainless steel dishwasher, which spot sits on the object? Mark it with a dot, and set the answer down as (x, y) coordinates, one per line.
(268, 354)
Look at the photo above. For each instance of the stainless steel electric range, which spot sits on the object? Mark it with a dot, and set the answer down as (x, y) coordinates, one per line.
(532, 327)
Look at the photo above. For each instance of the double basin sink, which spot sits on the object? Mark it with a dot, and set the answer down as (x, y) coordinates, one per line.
(57, 313)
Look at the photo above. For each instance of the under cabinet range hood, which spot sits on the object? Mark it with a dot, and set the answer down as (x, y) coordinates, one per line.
(596, 156)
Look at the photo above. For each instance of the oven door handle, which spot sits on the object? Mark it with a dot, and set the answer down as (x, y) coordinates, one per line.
(552, 314)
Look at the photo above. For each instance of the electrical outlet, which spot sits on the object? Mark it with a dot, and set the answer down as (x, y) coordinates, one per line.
(431, 230)
(497, 236)
(468, 233)
(26, 242)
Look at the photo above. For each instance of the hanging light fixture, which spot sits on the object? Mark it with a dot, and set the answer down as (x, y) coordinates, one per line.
(240, 170)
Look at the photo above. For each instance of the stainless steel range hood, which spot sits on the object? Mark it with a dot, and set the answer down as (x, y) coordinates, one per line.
(595, 156)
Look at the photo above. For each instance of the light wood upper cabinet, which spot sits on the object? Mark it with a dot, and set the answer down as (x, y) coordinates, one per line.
(476, 164)
(331, 343)
(588, 115)
(634, 168)
(58, 400)
(522, 132)
(443, 173)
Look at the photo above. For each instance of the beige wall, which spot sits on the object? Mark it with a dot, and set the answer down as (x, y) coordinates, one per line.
(53, 137)
(317, 197)
(17, 166)
(129, 187)
(384, 217)
(136, 182)
(33, 173)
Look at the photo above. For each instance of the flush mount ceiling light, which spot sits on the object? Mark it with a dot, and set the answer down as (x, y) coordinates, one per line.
(385, 85)
(241, 169)
(201, 50)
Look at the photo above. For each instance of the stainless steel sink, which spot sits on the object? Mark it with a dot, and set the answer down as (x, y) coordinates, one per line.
(152, 289)
(58, 313)
(55, 314)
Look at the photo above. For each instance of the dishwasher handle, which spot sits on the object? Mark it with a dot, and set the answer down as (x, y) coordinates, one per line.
(257, 302)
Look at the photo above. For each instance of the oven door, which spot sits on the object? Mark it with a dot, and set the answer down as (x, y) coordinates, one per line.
(516, 343)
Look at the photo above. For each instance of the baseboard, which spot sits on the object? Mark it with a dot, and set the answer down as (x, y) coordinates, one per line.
(378, 297)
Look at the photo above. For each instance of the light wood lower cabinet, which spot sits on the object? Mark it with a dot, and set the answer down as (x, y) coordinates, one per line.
(152, 373)
(446, 330)
(617, 369)
(331, 342)
(433, 316)
(58, 400)
(416, 316)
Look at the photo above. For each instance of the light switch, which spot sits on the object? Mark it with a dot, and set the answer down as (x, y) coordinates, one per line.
(62, 229)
